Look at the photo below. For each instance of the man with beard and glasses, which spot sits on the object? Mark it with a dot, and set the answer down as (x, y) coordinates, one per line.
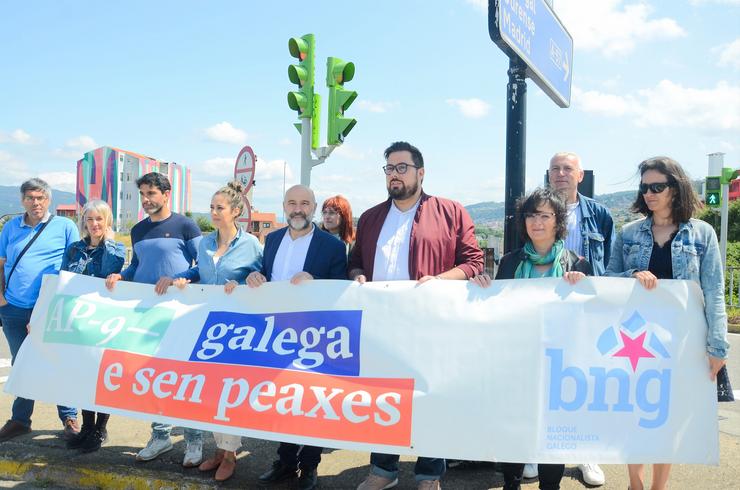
(165, 244)
(412, 236)
(298, 253)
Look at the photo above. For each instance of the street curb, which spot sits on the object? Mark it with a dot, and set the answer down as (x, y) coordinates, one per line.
(115, 478)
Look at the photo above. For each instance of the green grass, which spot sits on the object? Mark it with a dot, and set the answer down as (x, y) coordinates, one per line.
(733, 319)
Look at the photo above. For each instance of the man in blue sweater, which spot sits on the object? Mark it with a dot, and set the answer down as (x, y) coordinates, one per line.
(165, 244)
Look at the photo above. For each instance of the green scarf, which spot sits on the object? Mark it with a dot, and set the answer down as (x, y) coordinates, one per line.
(526, 266)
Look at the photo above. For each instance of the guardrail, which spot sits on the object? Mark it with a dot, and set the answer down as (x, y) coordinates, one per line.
(732, 280)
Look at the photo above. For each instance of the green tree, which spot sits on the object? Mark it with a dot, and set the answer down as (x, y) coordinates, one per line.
(711, 216)
(204, 224)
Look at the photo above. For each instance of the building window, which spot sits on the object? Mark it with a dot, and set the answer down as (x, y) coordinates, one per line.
(265, 225)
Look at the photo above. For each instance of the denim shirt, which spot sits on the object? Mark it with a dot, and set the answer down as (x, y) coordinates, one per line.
(597, 229)
(101, 261)
(243, 256)
(694, 256)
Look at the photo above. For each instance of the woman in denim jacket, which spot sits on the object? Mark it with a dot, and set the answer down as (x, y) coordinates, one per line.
(669, 244)
(225, 257)
(95, 255)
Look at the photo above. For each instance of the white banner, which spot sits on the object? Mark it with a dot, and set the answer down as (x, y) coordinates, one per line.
(529, 370)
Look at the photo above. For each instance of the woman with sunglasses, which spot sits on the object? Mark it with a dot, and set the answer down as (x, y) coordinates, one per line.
(542, 224)
(336, 218)
(669, 244)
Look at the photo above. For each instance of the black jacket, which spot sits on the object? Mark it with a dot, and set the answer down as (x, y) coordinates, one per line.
(569, 260)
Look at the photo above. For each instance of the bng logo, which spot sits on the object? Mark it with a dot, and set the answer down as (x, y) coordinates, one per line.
(636, 344)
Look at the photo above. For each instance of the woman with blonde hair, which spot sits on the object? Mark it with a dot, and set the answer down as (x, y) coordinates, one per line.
(97, 255)
(225, 256)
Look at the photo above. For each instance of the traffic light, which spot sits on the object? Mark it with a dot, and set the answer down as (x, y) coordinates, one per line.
(337, 73)
(303, 48)
(713, 192)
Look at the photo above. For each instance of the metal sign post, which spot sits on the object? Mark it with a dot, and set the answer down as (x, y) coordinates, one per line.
(538, 47)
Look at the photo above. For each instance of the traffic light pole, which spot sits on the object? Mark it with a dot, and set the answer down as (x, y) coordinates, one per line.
(516, 148)
(307, 161)
(723, 223)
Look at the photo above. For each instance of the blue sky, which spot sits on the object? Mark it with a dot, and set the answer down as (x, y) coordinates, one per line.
(192, 82)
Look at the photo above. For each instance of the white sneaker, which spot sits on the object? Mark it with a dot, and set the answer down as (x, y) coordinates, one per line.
(377, 482)
(193, 454)
(154, 448)
(592, 474)
(530, 470)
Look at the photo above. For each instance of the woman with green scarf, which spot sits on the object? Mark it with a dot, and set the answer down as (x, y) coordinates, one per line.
(542, 225)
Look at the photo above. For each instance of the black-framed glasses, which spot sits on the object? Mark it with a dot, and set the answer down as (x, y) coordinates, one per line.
(655, 188)
(401, 168)
(542, 217)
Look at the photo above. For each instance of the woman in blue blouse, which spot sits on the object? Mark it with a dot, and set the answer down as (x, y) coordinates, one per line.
(226, 257)
(97, 255)
(669, 244)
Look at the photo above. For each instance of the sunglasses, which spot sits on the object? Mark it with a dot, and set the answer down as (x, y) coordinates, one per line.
(655, 188)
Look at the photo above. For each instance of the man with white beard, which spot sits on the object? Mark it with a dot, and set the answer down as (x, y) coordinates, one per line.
(299, 252)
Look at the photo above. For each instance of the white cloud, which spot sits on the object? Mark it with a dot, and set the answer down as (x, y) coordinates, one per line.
(286, 142)
(74, 148)
(603, 103)
(14, 169)
(721, 2)
(377, 106)
(619, 27)
(272, 170)
(481, 5)
(224, 132)
(16, 136)
(81, 143)
(473, 108)
(349, 152)
(669, 104)
(729, 54)
(63, 181)
(218, 167)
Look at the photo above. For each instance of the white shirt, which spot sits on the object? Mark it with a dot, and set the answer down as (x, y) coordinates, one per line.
(394, 242)
(290, 256)
(573, 239)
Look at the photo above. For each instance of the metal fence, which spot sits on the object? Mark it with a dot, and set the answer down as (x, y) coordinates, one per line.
(732, 281)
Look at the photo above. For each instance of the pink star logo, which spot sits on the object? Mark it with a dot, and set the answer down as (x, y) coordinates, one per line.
(633, 349)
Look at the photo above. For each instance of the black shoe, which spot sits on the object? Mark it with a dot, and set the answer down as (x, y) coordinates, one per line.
(278, 473)
(76, 441)
(308, 479)
(94, 440)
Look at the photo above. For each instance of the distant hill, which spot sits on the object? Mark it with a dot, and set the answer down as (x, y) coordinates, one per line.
(10, 199)
(492, 213)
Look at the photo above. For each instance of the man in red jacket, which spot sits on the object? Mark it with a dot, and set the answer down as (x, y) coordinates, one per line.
(412, 236)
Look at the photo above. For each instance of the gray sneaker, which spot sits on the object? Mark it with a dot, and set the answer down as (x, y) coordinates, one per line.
(154, 448)
(377, 482)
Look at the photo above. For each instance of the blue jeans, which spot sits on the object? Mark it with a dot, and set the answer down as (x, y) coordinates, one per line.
(14, 321)
(386, 465)
(162, 431)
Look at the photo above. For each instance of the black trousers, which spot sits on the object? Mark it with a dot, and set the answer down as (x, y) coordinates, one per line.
(303, 457)
(549, 475)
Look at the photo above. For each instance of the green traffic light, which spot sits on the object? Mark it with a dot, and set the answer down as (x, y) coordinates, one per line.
(298, 47)
(302, 74)
(338, 71)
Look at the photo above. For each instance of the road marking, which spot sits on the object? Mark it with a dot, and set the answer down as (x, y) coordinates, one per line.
(4, 363)
(3, 379)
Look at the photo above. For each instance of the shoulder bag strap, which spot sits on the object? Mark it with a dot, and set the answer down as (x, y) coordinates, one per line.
(28, 245)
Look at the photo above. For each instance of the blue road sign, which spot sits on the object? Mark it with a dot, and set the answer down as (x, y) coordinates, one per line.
(530, 30)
